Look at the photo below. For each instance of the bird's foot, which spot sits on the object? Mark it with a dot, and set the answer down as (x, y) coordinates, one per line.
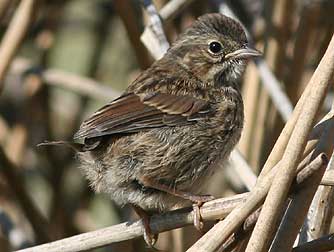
(149, 237)
(198, 201)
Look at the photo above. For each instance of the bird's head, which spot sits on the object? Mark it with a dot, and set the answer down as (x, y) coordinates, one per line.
(215, 46)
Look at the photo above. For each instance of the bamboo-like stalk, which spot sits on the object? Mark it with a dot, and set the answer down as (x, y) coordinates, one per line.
(263, 231)
(298, 207)
(301, 201)
(14, 36)
(320, 214)
(318, 221)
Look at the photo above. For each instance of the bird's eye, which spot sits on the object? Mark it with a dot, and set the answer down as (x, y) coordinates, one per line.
(215, 47)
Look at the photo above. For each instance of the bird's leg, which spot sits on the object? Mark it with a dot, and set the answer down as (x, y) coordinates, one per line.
(149, 238)
(197, 200)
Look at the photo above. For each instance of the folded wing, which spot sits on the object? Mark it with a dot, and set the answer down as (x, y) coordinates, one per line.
(137, 112)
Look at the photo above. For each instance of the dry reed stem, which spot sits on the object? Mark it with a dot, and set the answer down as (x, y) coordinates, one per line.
(279, 147)
(318, 221)
(14, 36)
(301, 201)
(328, 178)
(298, 207)
(320, 81)
(271, 100)
(209, 211)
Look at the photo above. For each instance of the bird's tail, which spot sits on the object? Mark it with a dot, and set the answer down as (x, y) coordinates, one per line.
(77, 147)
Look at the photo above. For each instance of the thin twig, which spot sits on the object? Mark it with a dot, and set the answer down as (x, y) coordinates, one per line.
(14, 36)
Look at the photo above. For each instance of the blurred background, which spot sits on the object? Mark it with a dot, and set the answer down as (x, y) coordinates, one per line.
(79, 54)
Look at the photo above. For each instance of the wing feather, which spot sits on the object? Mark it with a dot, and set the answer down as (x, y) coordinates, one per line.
(136, 112)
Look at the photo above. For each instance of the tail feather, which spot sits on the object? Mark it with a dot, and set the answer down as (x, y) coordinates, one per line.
(77, 147)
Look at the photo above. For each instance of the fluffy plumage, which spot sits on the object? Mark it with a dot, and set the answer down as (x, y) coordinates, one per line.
(173, 123)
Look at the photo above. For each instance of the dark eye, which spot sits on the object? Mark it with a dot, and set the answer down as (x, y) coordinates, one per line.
(215, 47)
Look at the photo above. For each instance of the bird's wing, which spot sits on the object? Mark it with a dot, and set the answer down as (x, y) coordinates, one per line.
(136, 112)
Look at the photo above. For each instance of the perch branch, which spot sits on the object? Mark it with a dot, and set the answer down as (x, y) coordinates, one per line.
(209, 211)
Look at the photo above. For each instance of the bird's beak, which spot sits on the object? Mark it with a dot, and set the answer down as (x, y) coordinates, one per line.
(244, 53)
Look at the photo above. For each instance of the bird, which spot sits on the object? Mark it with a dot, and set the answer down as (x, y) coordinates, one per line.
(157, 145)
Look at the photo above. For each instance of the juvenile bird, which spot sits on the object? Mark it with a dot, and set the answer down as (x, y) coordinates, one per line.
(157, 145)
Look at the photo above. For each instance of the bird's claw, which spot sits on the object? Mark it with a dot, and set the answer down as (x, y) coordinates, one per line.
(198, 202)
(150, 239)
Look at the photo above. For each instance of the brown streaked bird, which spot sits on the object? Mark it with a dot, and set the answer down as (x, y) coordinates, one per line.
(157, 145)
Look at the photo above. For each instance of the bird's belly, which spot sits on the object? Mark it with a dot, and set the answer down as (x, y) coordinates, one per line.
(181, 158)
